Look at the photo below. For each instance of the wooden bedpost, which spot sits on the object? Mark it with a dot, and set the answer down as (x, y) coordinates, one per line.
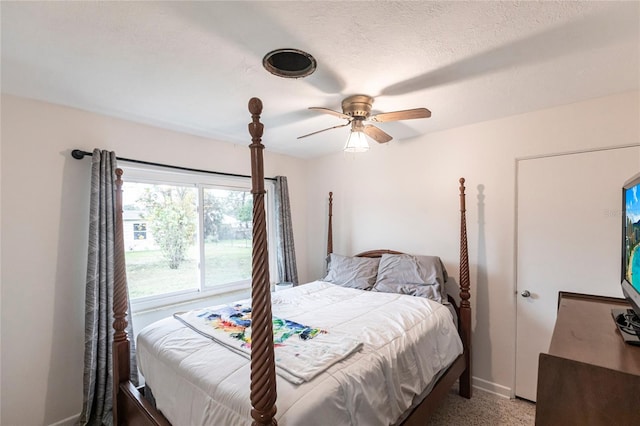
(129, 405)
(263, 372)
(121, 368)
(465, 305)
(330, 227)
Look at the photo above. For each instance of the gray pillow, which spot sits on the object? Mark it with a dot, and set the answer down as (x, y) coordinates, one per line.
(422, 276)
(354, 272)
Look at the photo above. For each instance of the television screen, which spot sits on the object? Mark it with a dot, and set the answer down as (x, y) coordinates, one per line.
(628, 320)
(631, 243)
(632, 236)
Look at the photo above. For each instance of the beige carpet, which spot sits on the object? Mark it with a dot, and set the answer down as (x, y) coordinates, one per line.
(483, 408)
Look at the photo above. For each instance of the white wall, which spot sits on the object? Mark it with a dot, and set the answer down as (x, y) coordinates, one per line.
(404, 196)
(45, 199)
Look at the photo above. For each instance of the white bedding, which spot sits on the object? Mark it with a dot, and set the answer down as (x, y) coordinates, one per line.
(301, 351)
(406, 340)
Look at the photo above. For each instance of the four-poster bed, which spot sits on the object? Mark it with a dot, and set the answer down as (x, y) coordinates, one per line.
(130, 407)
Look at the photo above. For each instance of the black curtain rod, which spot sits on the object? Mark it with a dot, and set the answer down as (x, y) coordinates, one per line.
(79, 155)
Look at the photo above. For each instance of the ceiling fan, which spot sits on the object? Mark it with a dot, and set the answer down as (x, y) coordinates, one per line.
(356, 110)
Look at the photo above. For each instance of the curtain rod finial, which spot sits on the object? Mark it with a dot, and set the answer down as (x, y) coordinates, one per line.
(78, 154)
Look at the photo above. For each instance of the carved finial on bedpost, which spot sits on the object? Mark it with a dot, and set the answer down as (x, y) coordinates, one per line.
(256, 129)
(465, 305)
(330, 227)
(263, 373)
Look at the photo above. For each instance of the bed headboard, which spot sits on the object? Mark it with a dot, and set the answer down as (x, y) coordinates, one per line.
(463, 309)
(377, 253)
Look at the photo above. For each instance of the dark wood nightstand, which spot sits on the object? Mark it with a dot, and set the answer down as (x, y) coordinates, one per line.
(590, 376)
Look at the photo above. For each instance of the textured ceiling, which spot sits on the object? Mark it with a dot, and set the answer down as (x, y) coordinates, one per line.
(192, 66)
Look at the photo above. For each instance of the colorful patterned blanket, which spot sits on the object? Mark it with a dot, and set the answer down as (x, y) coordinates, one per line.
(301, 351)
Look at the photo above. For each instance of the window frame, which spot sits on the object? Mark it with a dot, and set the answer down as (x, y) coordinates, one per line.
(136, 173)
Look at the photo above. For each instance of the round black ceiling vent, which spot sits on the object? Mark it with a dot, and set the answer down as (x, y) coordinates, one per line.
(289, 63)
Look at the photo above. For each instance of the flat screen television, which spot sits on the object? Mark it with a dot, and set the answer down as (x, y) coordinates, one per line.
(629, 320)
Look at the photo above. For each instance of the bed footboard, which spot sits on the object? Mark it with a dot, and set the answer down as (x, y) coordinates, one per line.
(134, 407)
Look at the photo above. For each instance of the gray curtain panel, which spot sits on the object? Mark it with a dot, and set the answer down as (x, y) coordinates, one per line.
(286, 253)
(98, 341)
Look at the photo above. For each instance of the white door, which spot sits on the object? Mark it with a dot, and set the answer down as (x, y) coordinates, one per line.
(568, 239)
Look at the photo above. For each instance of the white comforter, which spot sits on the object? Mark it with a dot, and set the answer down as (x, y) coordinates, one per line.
(406, 340)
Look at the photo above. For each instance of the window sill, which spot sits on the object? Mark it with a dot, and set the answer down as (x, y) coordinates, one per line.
(236, 290)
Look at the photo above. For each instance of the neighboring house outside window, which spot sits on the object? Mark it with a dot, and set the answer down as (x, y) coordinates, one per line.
(139, 231)
(188, 235)
(136, 234)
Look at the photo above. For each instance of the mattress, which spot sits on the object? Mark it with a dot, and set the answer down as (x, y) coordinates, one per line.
(406, 341)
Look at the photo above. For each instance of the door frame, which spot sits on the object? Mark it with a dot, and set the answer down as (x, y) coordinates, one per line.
(515, 234)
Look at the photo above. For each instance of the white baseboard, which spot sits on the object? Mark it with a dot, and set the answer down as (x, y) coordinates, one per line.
(69, 421)
(491, 387)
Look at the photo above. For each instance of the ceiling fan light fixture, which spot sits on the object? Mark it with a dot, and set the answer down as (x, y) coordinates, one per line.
(356, 110)
(289, 63)
(357, 142)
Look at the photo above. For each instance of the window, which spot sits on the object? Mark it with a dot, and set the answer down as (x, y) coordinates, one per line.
(139, 231)
(187, 234)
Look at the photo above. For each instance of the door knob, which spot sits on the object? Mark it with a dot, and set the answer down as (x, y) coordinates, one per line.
(525, 293)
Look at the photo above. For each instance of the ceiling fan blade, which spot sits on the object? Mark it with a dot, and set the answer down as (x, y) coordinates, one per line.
(323, 130)
(407, 114)
(332, 112)
(376, 134)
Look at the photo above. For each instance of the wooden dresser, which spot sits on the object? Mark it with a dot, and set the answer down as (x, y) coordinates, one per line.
(590, 376)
